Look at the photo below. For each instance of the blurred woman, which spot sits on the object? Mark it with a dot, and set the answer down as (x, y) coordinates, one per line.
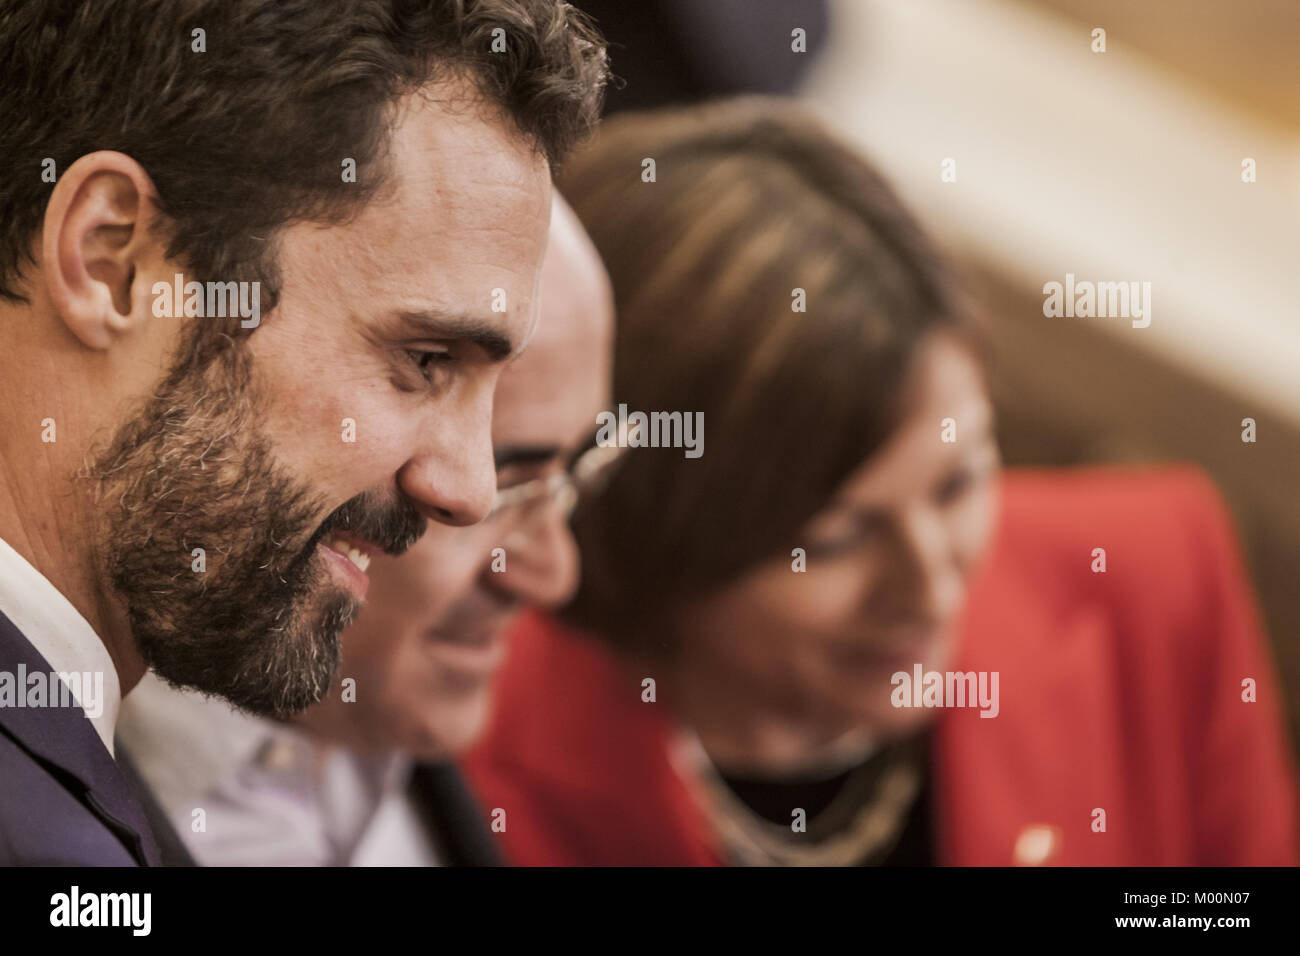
(822, 641)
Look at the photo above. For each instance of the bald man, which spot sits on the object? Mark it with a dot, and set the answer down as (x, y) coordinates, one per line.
(364, 777)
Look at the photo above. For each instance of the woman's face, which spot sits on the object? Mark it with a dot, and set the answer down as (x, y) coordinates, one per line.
(888, 561)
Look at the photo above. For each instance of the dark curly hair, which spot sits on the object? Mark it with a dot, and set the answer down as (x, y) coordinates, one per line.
(250, 134)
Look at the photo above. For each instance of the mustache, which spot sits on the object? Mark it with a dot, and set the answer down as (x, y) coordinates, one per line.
(392, 526)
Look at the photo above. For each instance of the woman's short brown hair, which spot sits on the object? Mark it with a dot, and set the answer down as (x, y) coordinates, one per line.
(751, 201)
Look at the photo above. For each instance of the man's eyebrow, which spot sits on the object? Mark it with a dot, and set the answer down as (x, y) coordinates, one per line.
(509, 455)
(443, 325)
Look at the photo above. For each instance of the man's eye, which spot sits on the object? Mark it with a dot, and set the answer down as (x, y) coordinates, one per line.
(512, 476)
(428, 362)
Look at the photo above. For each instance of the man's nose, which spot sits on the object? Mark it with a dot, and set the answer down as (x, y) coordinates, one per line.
(454, 482)
(542, 562)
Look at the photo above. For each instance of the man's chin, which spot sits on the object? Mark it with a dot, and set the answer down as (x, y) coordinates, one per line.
(454, 728)
(276, 672)
(318, 655)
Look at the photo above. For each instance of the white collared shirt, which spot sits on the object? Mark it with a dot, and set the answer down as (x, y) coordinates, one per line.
(242, 790)
(61, 635)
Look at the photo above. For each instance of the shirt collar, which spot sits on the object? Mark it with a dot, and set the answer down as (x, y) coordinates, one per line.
(190, 748)
(59, 633)
(185, 743)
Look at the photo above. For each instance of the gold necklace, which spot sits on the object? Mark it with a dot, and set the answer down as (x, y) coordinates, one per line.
(862, 823)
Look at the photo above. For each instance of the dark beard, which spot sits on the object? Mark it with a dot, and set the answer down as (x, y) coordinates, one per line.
(260, 626)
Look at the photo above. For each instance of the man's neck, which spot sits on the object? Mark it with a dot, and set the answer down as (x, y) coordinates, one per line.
(44, 522)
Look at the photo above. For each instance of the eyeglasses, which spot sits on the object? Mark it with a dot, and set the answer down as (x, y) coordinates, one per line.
(587, 473)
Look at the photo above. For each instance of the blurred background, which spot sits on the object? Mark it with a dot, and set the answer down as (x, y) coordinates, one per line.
(1123, 165)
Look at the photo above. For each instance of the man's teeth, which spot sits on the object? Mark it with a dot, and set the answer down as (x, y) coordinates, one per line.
(361, 560)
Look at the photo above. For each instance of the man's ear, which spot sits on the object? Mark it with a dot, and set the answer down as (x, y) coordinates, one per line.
(95, 239)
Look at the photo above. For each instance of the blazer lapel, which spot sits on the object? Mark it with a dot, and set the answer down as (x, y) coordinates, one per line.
(172, 849)
(453, 816)
(64, 738)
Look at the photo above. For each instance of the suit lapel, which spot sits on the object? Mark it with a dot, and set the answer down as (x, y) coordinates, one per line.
(63, 738)
(172, 849)
(453, 816)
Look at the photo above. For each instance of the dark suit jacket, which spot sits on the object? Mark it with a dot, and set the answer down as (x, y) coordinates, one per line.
(62, 799)
(453, 816)
(171, 847)
(445, 805)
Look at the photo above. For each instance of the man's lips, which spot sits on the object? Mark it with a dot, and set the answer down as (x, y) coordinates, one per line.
(470, 654)
(350, 556)
(479, 636)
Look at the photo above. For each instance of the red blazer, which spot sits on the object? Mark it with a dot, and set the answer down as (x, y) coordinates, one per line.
(1120, 691)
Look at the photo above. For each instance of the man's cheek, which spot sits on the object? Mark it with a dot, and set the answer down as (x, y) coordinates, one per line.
(336, 424)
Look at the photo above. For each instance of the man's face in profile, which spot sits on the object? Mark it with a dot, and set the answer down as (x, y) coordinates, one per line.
(433, 632)
(359, 408)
